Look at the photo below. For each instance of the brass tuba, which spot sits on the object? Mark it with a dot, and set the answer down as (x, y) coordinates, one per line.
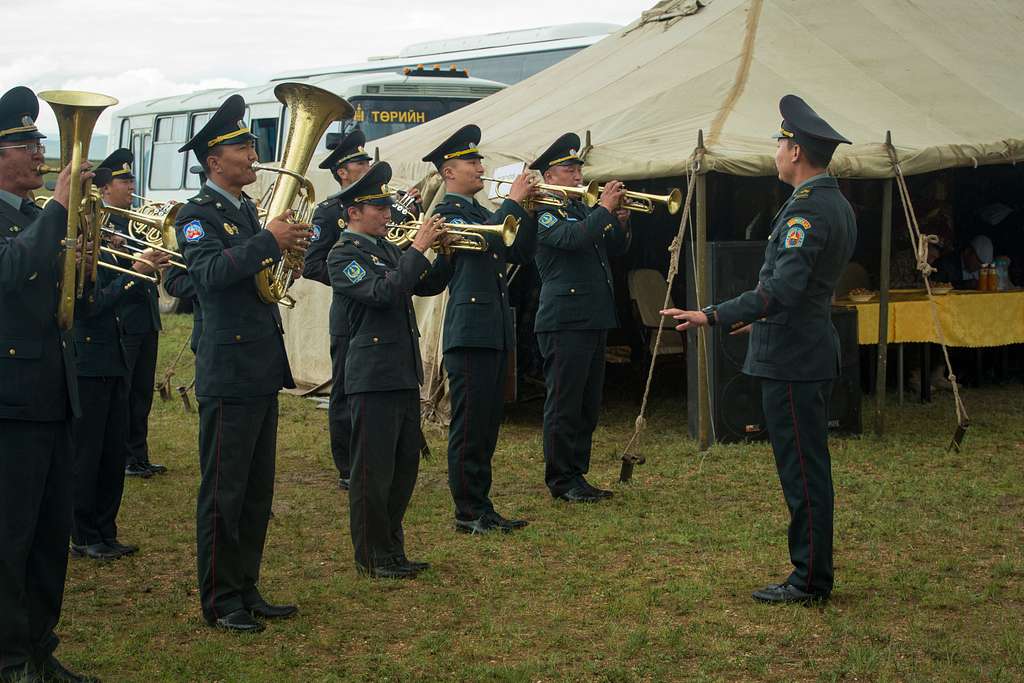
(76, 114)
(468, 237)
(311, 110)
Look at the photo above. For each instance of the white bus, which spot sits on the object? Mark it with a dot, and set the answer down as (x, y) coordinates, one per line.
(384, 103)
(507, 57)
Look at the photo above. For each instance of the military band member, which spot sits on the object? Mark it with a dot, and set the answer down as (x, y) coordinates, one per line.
(178, 284)
(373, 283)
(100, 434)
(140, 321)
(241, 365)
(577, 308)
(38, 398)
(794, 347)
(478, 329)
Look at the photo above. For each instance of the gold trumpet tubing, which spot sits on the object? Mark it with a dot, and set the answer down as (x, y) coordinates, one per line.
(154, 278)
(139, 246)
(469, 237)
(642, 202)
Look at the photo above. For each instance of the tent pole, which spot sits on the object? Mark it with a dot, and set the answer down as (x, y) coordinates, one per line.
(703, 406)
(883, 305)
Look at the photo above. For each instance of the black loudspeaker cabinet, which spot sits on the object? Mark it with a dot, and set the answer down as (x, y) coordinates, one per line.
(735, 398)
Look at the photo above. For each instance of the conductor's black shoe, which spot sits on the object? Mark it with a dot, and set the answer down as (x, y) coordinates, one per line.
(138, 471)
(240, 620)
(484, 524)
(787, 593)
(389, 570)
(121, 548)
(268, 611)
(25, 672)
(95, 551)
(154, 468)
(579, 494)
(414, 566)
(507, 523)
(600, 493)
(52, 670)
(344, 483)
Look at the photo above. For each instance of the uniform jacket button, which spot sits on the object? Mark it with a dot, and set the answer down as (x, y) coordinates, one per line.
(12, 352)
(376, 339)
(572, 291)
(495, 256)
(88, 339)
(238, 337)
(472, 299)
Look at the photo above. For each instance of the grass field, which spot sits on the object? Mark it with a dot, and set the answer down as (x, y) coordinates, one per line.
(652, 586)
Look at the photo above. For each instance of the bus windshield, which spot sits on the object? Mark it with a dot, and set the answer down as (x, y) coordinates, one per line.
(381, 116)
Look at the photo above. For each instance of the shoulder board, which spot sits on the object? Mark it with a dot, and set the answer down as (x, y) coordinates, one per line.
(802, 193)
(202, 198)
(333, 200)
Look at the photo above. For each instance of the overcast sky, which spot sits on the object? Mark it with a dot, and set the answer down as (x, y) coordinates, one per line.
(140, 49)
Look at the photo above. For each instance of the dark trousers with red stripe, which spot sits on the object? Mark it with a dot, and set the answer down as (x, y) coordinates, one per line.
(574, 377)
(386, 441)
(99, 437)
(476, 381)
(35, 523)
(797, 419)
(339, 419)
(237, 448)
(140, 355)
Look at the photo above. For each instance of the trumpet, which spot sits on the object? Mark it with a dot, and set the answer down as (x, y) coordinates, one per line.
(554, 195)
(152, 226)
(137, 246)
(468, 237)
(641, 202)
(97, 263)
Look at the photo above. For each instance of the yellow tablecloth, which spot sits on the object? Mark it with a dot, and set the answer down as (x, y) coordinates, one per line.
(973, 319)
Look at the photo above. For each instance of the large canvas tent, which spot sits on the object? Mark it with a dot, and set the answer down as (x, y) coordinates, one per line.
(942, 75)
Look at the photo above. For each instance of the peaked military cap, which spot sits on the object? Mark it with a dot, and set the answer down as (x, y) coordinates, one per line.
(462, 144)
(119, 163)
(802, 124)
(563, 151)
(225, 127)
(348, 148)
(19, 109)
(372, 188)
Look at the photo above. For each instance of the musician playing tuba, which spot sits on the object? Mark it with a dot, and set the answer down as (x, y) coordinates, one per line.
(241, 364)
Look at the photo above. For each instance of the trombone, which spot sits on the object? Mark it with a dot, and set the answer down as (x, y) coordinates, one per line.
(641, 202)
(554, 195)
(468, 237)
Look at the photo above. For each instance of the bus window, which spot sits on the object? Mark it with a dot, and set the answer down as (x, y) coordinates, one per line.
(192, 179)
(380, 116)
(168, 164)
(266, 143)
(126, 134)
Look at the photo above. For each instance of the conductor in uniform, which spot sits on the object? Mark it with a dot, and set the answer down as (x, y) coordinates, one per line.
(140, 322)
(38, 399)
(478, 329)
(241, 364)
(373, 283)
(577, 308)
(793, 346)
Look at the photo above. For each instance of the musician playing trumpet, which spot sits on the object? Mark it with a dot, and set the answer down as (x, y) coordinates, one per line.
(577, 308)
(373, 282)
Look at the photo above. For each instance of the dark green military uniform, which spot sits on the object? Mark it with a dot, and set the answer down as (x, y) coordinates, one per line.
(794, 348)
(241, 365)
(178, 284)
(101, 432)
(38, 397)
(373, 283)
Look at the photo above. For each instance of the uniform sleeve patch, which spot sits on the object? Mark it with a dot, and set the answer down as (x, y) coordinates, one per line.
(547, 219)
(456, 220)
(355, 272)
(798, 221)
(795, 237)
(316, 234)
(193, 231)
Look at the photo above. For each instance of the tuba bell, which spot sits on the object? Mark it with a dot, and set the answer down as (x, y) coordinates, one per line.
(311, 110)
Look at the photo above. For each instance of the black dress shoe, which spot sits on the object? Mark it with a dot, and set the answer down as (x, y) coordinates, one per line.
(600, 493)
(344, 483)
(52, 670)
(579, 494)
(390, 570)
(485, 524)
(417, 567)
(507, 523)
(155, 469)
(138, 471)
(25, 672)
(121, 548)
(268, 611)
(95, 551)
(787, 593)
(240, 620)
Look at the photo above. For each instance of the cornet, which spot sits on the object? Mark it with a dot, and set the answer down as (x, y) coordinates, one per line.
(554, 195)
(468, 237)
(641, 202)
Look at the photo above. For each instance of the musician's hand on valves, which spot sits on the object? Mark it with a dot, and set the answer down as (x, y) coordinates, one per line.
(611, 196)
(523, 187)
(62, 191)
(687, 319)
(430, 231)
(294, 236)
(150, 263)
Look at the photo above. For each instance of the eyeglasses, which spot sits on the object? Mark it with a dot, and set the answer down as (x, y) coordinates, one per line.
(32, 147)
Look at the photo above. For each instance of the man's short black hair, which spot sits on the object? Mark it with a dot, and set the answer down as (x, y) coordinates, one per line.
(815, 157)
